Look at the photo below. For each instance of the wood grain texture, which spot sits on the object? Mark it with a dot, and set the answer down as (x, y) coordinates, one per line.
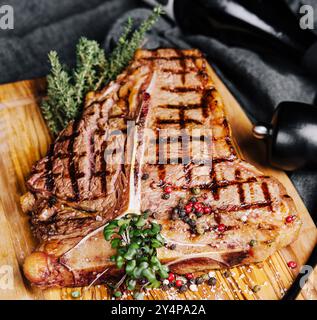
(24, 139)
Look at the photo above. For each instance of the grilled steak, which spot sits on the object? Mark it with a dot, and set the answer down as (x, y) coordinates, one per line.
(161, 123)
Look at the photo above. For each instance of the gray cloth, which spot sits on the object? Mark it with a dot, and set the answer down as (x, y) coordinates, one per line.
(259, 83)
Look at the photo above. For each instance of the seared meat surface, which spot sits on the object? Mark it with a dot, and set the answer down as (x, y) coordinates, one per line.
(161, 123)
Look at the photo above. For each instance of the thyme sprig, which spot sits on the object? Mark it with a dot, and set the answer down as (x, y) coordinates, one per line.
(136, 240)
(67, 89)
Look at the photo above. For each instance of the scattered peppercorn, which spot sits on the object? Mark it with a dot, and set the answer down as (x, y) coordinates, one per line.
(171, 277)
(198, 214)
(227, 274)
(198, 206)
(290, 219)
(207, 210)
(164, 287)
(256, 288)
(165, 196)
(168, 189)
(172, 246)
(212, 281)
(221, 227)
(178, 283)
(199, 280)
(187, 219)
(183, 289)
(182, 213)
(189, 276)
(205, 276)
(196, 191)
(145, 176)
(188, 208)
(292, 264)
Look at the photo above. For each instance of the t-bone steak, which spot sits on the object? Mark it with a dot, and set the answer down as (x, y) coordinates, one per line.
(161, 122)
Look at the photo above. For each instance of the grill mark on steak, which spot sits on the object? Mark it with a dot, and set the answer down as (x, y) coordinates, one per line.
(239, 186)
(72, 164)
(182, 65)
(182, 123)
(49, 182)
(103, 167)
(266, 193)
(182, 89)
(92, 158)
(204, 103)
(181, 106)
(244, 206)
(179, 72)
(214, 185)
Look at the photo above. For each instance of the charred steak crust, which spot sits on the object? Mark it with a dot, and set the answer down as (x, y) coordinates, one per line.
(75, 190)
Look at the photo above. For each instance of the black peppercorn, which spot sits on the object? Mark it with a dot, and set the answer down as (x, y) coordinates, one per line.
(172, 246)
(186, 219)
(183, 288)
(182, 213)
(165, 196)
(227, 274)
(212, 281)
(145, 176)
(199, 280)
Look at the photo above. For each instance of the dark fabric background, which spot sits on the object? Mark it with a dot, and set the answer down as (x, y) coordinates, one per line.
(257, 82)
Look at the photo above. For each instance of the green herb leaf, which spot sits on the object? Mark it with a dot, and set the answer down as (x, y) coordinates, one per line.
(66, 91)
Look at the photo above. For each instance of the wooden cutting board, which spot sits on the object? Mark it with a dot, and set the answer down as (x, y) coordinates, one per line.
(24, 139)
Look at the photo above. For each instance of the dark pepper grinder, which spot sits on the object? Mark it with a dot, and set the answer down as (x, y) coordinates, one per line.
(291, 137)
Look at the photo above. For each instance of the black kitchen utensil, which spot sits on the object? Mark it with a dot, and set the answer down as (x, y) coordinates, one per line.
(267, 26)
(291, 137)
(296, 287)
